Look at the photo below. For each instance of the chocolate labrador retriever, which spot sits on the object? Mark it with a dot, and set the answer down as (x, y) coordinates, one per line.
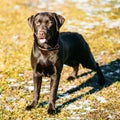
(51, 50)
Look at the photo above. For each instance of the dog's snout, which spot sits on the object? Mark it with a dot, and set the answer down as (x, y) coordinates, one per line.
(41, 34)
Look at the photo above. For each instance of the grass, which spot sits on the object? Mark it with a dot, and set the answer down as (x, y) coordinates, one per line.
(82, 98)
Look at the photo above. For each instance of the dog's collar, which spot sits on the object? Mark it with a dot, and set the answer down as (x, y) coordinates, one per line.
(49, 49)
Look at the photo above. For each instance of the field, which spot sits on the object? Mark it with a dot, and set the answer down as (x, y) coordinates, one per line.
(82, 99)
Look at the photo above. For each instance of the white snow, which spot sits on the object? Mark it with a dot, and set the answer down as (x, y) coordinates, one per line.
(11, 79)
(101, 99)
(31, 88)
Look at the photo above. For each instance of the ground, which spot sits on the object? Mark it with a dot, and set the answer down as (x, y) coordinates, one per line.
(82, 99)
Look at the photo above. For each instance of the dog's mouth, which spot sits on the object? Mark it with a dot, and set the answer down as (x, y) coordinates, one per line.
(42, 40)
(42, 37)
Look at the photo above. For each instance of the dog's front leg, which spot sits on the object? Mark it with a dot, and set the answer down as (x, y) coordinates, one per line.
(37, 79)
(53, 92)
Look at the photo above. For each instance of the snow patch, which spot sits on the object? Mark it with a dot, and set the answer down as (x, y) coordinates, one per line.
(101, 99)
(11, 80)
(30, 88)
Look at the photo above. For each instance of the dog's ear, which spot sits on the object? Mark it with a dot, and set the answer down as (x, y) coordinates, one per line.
(30, 21)
(59, 20)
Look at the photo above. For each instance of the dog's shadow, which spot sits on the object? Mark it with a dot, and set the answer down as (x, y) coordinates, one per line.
(112, 74)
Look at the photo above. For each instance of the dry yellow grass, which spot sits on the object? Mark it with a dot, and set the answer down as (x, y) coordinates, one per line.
(79, 99)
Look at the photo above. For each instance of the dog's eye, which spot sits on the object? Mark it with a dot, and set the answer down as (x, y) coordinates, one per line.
(51, 22)
(46, 21)
(37, 23)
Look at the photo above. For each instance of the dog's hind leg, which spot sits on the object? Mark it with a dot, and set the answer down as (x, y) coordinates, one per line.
(101, 78)
(74, 73)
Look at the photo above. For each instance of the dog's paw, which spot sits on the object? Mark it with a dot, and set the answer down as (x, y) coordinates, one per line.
(71, 78)
(29, 107)
(32, 105)
(51, 112)
(51, 108)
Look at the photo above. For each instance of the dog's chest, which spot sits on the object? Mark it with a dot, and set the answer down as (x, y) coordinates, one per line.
(46, 65)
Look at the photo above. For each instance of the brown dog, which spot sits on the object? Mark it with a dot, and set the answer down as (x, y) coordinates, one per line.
(51, 50)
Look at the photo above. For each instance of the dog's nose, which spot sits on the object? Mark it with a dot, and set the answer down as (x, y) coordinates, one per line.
(41, 33)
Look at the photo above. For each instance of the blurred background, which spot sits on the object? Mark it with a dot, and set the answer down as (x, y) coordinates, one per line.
(99, 22)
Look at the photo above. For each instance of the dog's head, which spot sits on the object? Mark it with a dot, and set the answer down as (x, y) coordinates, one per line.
(46, 27)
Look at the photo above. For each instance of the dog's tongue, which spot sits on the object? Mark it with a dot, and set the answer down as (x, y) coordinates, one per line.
(42, 40)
